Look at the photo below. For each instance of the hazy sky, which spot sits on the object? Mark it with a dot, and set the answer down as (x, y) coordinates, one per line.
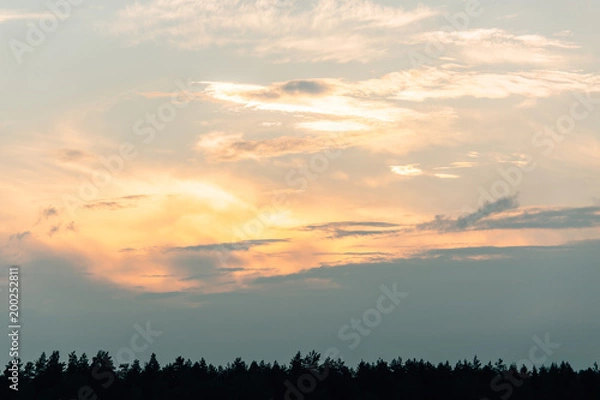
(244, 175)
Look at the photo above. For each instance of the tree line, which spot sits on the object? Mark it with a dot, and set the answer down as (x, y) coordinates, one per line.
(306, 376)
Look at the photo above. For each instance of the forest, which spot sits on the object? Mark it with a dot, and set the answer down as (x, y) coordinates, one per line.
(306, 376)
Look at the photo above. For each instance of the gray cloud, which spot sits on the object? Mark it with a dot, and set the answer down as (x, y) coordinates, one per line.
(341, 233)
(20, 235)
(344, 224)
(49, 212)
(534, 288)
(444, 224)
(305, 87)
(105, 205)
(565, 218)
(353, 253)
(336, 229)
(54, 229)
(70, 155)
(560, 218)
(116, 203)
(244, 245)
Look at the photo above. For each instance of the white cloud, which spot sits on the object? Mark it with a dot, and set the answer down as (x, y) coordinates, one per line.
(407, 170)
(320, 96)
(13, 15)
(494, 46)
(447, 176)
(332, 30)
(451, 82)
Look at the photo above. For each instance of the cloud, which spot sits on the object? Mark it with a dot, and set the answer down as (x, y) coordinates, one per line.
(104, 205)
(412, 170)
(560, 218)
(329, 30)
(369, 109)
(494, 46)
(334, 98)
(20, 236)
(487, 217)
(219, 146)
(407, 170)
(451, 81)
(459, 164)
(494, 252)
(374, 104)
(444, 224)
(447, 176)
(305, 87)
(535, 218)
(15, 15)
(70, 155)
(49, 212)
(244, 245)
(54, 229)
(338, 229)
(476, 36)
(116, 203)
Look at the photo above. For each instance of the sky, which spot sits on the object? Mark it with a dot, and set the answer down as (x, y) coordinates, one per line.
(256, 177)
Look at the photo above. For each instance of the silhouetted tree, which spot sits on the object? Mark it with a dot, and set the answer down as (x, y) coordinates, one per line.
(50, 378)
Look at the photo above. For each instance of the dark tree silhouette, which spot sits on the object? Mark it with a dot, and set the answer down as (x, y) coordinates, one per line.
(305, 377)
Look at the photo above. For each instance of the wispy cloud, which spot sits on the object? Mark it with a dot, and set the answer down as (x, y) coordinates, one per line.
(116, 203)
(450, 81)
(340, 229)
(49, 212)
(70, 155)
(333, 98)
(413, 170)
(220, 146)
(558, 218)
(15, 15)
(444, 224)
(20, 236)
(330, 30)
(407, 170)
(494, 46)
(244, 245)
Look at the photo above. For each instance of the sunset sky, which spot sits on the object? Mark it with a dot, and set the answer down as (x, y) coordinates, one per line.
(246, 174)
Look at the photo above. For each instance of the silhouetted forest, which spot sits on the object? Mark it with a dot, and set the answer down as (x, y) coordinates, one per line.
(305, 377)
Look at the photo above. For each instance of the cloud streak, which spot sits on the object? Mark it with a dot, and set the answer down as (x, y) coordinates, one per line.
(244, 245)
(337, 230)
(495, 46)
(329, 30)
